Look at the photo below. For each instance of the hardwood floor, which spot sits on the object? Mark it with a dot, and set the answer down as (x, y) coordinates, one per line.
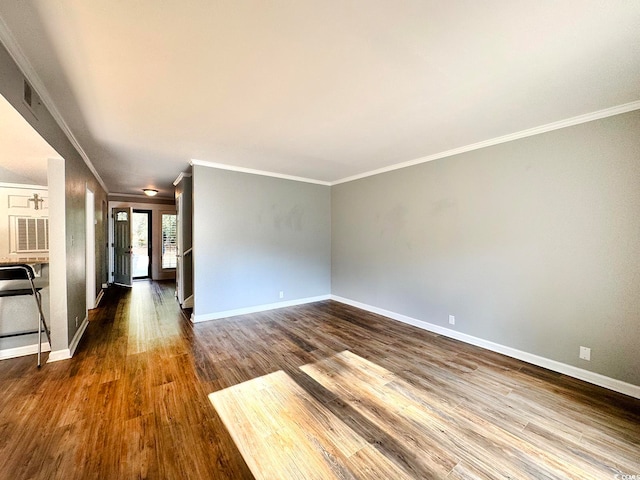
(315, 391)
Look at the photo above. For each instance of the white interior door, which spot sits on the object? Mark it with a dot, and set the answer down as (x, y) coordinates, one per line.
(122, 247)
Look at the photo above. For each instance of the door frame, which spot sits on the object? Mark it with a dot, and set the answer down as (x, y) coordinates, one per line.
(149, 240)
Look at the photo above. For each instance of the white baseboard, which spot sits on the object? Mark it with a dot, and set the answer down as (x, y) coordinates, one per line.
(22, 351)
(258, 308)
(57, 355)
(67, 353)
(99, 297)
(569, 370)
(78, 336)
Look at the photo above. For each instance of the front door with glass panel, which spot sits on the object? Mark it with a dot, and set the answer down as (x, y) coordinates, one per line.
(122, 247)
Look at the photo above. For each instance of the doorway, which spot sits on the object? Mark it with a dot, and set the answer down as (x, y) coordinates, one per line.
(141, 236)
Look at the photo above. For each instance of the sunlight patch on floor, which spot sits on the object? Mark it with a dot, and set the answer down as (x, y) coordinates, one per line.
(373, 423)
(283, 432)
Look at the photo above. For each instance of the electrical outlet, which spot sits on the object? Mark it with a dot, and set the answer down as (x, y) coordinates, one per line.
(76, 322)
(281, 294)
(452, 319)
(585, 353)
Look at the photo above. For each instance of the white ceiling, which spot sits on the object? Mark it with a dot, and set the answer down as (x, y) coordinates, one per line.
(23, 152)
(317, 89)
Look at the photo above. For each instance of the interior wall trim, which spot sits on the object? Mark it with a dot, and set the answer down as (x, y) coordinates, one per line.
(57, 355)
(559, 367)
(22, 351)
(78, 336)
(99, 297)
(256, 309)
(569, 122)
(18, 56)
(252, 171)
(180, 177)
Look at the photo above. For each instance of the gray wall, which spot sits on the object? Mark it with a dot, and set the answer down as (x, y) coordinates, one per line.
(533, 244)
(255, 236)
(77, 176)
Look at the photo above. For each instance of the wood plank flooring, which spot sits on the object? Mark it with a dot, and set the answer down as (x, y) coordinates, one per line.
(315, 391)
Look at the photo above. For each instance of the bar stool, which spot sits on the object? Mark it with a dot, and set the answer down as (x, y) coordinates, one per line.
(25, 273)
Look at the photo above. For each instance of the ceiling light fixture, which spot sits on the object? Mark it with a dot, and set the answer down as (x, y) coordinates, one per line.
(150, 192)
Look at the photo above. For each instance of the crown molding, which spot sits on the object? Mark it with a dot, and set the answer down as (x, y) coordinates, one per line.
(180, 177)
(252, 171)
(569, 122)
(18, 56)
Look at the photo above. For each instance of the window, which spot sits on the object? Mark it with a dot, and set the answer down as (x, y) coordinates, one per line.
(122, 217)
(169, 241)
(30, 234)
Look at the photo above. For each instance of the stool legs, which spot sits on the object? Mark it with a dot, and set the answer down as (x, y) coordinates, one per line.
(25, 272)
(39, 338)
(41, 324)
